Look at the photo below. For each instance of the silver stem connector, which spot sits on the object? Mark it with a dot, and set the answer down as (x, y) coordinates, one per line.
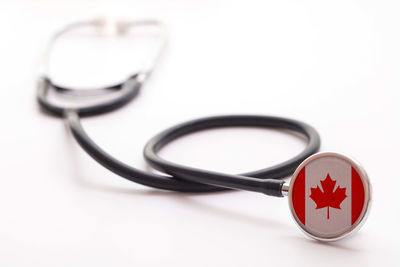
(285, 189)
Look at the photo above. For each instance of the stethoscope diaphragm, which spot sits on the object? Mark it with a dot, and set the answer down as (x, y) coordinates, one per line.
(329, 196)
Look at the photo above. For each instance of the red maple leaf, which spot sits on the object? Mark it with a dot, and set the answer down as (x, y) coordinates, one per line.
(328, 198)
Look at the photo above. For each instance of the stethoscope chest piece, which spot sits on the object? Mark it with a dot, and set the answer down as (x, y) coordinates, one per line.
(329, 196)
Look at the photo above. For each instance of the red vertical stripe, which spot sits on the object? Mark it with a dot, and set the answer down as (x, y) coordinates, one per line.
(298, 196)
(357, 195)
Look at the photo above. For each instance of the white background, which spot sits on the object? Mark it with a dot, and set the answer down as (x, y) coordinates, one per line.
(333, 64)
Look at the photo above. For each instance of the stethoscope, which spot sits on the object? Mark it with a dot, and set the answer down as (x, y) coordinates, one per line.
(329, 193)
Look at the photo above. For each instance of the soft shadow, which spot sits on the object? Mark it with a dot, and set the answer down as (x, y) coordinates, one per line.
(229, 214)
(343, 245)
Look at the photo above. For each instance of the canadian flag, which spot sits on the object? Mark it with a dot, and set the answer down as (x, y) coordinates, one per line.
(328, 196)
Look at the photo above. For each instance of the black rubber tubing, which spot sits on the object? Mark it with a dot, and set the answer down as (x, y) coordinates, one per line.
(257, 181)
(128, 90)
(264, 181)
(178, 177)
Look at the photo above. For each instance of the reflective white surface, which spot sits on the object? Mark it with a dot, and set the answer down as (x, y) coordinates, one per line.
(334, 65)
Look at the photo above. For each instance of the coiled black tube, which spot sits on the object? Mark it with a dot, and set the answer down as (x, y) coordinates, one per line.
(178, 177)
